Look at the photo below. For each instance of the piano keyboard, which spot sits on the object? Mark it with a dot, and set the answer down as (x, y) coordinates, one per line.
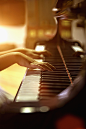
(29, 88)
(44, 84)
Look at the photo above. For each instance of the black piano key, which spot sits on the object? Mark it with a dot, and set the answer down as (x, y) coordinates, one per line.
(54, 86)
(54, 83)
(65, 79)
(61, 79)
(58, 80)
(46, 92)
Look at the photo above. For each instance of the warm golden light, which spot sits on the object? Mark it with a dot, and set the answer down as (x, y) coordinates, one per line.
(55, 9)
(11, 34)
(27, 110)
(77, 48)
(3, 35)
(49, 33)
(65, 23)
(66, 33)
(40, 48)
(33, 33)
(40, 33)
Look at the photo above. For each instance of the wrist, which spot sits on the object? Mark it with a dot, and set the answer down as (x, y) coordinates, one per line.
(18, 56)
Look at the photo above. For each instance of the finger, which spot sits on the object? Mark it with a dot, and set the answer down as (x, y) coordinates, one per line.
(47, 66)
(42, 65)
(45, 53)
(36, 65)
(51, 66)
(25, 63)
(33, 55)
(36, 56)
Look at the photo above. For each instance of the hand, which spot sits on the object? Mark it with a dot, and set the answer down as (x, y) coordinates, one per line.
(32, 53)
(29, 52)
(8, 58)
(28, 62)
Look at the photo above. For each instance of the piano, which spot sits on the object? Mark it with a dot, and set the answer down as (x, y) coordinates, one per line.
(46, 83)
(26, 112)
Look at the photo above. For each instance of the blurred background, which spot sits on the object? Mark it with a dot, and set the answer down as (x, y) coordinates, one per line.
(23, 23)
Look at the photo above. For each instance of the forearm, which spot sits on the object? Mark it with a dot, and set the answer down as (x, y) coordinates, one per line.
(7, 60)
(12, 50)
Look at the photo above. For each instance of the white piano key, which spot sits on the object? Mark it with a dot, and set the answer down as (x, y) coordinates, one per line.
(29, 88)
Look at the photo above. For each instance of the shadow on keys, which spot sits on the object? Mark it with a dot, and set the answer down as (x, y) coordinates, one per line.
(67, 110)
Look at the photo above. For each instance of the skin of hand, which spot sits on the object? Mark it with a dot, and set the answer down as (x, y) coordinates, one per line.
(34, 54)
(11, 58)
